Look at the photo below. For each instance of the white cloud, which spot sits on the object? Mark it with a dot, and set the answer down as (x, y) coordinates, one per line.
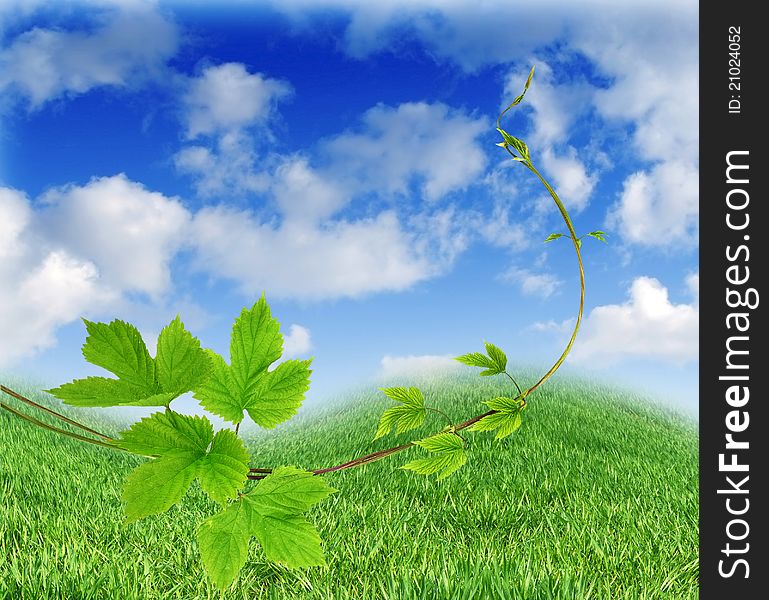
(659, 207)
(408, 366)
(415, 141)
(40, 288)
(659, 97)
(304, 195)
(305, 260)
(297, 342)
(128, 43)
(130, 233)
(227, 166)
(542, 285)
(647, 325)
(569, 177)
(228, 98)
(231, 109)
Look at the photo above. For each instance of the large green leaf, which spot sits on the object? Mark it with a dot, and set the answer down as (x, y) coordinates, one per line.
(271, 512)
(185, 448)
(142, 381)
(246, 385)
(181, 363)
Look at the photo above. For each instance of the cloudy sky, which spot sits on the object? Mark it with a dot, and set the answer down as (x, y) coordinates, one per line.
(162, 158)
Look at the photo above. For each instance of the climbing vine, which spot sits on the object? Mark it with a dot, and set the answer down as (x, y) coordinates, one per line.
(266, 503)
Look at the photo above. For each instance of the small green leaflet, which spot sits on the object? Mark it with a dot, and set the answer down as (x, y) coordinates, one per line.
(494, 361)
(410, 414)
(518, 145)
(269, 397)
(599, 235)
(519, 98)
(447, 455)
(185, 448)
(118, 347)
(271, 512)
(505, 420)
(553, 236)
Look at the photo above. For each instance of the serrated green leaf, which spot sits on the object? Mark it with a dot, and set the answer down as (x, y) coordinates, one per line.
(410, 414)
(291, 540)
(505, 421)
(119, 348)
(553, 236)
(410, 395)
(224, 468)
(223, 543)
(181, 364)
(493, 364)
(279, 393)
(271, 512)
(255, 344)
(164, 432)
(447, 455)
(96, 391)
(476, 359)
(599, 235)
(404, 417)
(497, 356)
(288, 490)
(269, 397)
(103, 392)
(154, 487)
(186, 448)
(217, 394)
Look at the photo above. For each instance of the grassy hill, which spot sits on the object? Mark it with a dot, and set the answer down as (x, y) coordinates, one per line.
(594, 497)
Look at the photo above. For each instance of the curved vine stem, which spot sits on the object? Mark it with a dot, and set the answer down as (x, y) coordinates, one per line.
(261, 473)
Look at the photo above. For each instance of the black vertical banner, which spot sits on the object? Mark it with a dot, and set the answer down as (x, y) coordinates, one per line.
(734, 235)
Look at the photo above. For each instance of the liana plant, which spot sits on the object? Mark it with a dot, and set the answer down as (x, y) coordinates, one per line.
(266, 503)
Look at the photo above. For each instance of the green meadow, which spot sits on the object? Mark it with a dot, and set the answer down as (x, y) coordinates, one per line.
(596, 496)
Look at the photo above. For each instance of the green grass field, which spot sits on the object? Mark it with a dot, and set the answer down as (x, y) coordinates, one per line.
(596, 496)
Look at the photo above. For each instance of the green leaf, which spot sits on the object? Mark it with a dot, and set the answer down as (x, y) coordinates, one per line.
(269, 397)
(102, 391)
(410, 414)
(498, 358)
(181, 363)
(97, 391)
(272, 513)
(223, 543)
(476, 359)
(447, 455)
(154, 487)
(292, 540)
(553, 236)
(506, 420)
(599, 235)
(515, 143)
(255, 344)
(579, 243)
(222, 471)
(186, 448)
(217, 394)
(142, 380)
(119, 348)
(494, 362)
(279, 393)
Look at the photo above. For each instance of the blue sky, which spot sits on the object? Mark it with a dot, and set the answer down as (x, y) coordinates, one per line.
(164, 158)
